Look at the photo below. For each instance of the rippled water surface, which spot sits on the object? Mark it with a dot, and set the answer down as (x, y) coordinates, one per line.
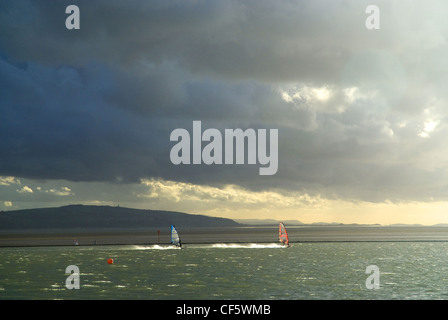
(408, 270)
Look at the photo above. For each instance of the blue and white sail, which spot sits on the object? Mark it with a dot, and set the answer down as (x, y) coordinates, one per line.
(175, 236)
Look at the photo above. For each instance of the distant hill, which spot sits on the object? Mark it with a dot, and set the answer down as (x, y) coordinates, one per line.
(98, 217)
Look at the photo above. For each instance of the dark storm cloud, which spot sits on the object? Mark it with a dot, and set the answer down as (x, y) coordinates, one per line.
(56, 123)
(360, 114)
(235, 39)
(77, 124)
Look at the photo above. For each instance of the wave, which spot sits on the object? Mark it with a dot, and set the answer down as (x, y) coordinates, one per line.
(156, 247)
(247, 245)
(212, 245)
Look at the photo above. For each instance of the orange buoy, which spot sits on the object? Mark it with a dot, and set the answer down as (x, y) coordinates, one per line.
(110, 261)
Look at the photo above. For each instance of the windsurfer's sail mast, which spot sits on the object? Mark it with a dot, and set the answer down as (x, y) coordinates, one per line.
(175, 236)
(282, 234)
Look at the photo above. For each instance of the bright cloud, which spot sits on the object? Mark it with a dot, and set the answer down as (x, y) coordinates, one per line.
(63, 191)
(428, 127)
(25, 189)
(180, 191)
(6, 181)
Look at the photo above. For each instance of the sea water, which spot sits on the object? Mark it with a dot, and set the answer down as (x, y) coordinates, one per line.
(328, 270)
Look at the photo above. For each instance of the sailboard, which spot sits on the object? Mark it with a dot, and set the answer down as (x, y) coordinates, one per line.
(283, 235)
(175, 240)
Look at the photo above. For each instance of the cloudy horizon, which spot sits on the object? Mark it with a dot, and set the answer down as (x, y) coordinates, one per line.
(86, 115)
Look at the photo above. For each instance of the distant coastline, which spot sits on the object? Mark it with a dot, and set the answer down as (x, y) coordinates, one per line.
(105, 225)
(116, 217)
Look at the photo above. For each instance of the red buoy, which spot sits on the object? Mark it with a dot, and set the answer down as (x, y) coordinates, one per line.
(110, 261)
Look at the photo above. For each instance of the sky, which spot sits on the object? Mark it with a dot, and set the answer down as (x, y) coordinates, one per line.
(86, 114)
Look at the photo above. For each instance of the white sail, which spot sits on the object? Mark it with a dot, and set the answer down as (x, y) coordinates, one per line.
(174, 236)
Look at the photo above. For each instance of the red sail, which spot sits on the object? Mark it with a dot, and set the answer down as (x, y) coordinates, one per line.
(282, 234)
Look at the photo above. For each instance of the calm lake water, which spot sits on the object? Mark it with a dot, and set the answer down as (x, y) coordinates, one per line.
(334, 270)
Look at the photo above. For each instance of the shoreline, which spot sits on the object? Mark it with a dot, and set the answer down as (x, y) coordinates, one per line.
(227, 235)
